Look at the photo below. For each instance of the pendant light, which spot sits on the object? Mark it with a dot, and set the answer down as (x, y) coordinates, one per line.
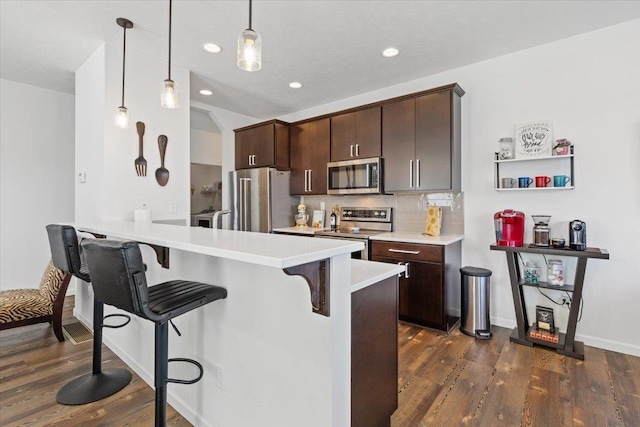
(249, 48)
(121, 118)
(170, 97)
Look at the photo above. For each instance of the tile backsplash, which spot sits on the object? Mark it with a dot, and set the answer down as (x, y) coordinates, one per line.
(409, 209)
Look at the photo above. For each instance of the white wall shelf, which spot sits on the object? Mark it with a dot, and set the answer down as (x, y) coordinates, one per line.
(532, 167)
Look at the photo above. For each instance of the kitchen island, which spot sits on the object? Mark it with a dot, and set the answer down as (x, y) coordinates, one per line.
(273, 354)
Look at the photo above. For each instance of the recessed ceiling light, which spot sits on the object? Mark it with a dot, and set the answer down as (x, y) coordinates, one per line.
(206, 92)
(295, 85)
(390, 52)
(212, 48)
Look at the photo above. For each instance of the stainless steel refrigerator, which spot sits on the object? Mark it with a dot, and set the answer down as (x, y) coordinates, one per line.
(261, 200)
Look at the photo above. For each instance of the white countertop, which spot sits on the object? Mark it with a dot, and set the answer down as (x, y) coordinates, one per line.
(307, 231)
(409, 237)
(366, 273)
(273, 250)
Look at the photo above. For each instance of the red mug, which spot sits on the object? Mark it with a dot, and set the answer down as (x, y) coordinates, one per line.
(542, 181)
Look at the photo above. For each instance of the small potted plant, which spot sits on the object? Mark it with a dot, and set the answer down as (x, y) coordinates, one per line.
(562, 147)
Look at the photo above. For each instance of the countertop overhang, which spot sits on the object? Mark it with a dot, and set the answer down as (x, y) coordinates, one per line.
(273, 250)
(409, 237)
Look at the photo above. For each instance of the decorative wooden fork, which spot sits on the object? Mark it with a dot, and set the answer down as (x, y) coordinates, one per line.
(141, 163)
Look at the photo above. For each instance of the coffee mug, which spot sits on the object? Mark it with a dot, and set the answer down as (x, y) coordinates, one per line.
(524, 182)
(560, 180)
(509, 183)
(542, 181)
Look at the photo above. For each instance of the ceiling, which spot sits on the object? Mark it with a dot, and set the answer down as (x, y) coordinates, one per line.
(332, 47)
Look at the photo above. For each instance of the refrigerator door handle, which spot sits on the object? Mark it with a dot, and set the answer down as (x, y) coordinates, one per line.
(244, 208)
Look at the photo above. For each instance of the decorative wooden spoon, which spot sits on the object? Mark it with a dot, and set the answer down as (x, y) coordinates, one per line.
(140, 163)
(162, 174)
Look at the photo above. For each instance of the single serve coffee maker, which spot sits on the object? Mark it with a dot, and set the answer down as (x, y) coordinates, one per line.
(509, 225)
(578, 235)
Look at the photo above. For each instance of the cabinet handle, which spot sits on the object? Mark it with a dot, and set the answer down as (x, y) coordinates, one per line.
(306, 180)
(351, 150)
(418, 173)
(357, 150)
(310, 180)
(407, 270)
(402, 251)
(410, 173)
(249, 159)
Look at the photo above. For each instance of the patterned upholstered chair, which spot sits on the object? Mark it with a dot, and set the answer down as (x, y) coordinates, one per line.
(21, 307)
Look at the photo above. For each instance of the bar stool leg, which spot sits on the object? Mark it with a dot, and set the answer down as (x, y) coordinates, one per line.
(161, 372)
(98, 384)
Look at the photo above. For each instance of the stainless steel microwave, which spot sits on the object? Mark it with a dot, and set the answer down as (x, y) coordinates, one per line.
(361, 176)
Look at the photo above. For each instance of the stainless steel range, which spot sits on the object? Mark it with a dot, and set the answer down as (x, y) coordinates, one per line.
(360, 224)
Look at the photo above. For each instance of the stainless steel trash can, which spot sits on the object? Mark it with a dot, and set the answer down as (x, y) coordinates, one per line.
(475, 302)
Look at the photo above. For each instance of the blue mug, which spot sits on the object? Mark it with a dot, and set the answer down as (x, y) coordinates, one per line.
(524, 182)
(560, 180)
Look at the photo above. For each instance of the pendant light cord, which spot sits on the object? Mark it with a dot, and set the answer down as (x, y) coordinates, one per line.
(250, 9)
(124, 56)
(170, 1)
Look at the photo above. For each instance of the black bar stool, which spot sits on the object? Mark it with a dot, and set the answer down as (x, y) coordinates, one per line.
(118, 279)
(99, 383)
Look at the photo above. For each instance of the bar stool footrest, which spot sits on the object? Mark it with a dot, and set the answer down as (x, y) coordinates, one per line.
(127, 317)
(193, 362)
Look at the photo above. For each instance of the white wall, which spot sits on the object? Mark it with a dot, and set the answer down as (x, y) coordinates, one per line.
(36, 177)
(206, 147)
(589, 85)
(116, 149)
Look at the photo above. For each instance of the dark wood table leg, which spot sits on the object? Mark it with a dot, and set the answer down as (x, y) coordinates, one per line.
(518, 301)
(574, 348)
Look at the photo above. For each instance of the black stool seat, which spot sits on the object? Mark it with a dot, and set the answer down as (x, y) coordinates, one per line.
(118, 279)
(165, 297)
(99, 383)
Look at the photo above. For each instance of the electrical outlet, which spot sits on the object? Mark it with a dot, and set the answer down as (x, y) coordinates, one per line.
(220, 377)
(173, 207)
(82, 177)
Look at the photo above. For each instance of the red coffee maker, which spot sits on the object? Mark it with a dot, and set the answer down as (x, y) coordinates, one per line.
(509, 227)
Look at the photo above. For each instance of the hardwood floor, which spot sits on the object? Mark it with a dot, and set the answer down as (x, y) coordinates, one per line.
(444, 380)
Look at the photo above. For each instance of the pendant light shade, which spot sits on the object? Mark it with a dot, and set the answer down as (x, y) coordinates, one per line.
(249, 48)
(170, 96)
(121, 118)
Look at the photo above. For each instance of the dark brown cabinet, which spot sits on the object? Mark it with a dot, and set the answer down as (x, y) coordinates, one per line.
(310, 143)
(421, 141)
(262, 145)
(429, 290)
(356, 135)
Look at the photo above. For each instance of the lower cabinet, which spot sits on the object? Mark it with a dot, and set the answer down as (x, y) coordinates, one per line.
(429, 290)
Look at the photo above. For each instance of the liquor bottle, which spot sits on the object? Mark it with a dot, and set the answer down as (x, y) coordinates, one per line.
(334, 219)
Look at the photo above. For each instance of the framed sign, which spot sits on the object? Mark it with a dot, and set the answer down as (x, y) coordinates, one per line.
(534, 139)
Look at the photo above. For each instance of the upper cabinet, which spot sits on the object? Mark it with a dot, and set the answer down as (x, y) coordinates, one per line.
(310, 143)
(356, 134)
(421, 141)
(263, 145)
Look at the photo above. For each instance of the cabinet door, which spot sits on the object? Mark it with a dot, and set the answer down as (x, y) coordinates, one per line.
(298, 159)
(317, 147)
(343, 137)
(243, 145)
(356, 135)
(433, 142)
(263, 145)
(398, 145)
(424, 294)
(368, 137)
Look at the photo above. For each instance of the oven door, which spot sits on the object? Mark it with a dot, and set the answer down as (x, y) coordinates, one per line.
(363, 254)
